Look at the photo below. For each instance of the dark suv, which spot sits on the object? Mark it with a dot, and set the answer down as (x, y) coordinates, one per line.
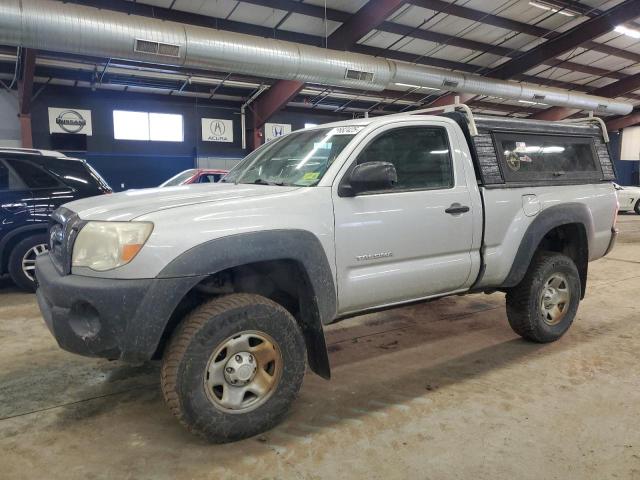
(33, 183)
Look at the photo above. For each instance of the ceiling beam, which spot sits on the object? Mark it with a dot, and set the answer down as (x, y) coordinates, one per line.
(25, 84)
(372, 14)
(613, 90)
(623, 122)
(620, 88)
(368, 18)
(25, 91)
(304, 9)
(445, 39)
(385, 99)
(458, 11)
(514, 25)
(480, 16)
(574, 37)
(336, 15)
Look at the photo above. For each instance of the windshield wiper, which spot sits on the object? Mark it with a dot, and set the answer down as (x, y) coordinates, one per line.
(259, 181)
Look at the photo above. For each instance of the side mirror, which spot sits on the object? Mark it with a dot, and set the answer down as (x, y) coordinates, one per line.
(370, 176)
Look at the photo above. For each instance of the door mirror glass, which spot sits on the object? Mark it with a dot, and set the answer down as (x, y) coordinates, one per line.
(371, 176)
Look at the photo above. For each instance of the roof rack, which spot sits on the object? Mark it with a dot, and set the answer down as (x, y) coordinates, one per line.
(33, 151)
(472, 123)
(449, 108)
(591, 119)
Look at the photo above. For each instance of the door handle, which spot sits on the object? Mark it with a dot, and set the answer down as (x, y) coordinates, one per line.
(456, 208)
(9, 206)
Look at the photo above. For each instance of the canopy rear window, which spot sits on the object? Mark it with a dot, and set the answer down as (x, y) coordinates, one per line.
(526, 157)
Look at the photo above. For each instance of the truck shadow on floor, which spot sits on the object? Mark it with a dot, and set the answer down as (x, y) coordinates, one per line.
(368, 380)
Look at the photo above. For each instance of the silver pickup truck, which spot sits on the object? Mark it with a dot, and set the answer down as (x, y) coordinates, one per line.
(231, 283)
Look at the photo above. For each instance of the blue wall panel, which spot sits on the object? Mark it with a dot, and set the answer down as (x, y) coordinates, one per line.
(139, 164)
(124, 171)
(627, 170)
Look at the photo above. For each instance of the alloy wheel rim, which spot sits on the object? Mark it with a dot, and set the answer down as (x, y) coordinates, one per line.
(29, 260)
(555, 299)
(243, 372)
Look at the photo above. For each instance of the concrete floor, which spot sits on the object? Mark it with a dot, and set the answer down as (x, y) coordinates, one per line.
(438, 391)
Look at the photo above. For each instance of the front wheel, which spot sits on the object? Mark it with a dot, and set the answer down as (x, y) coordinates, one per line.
(233, 367)
(636, 208)
(543, 305)
(22, 261)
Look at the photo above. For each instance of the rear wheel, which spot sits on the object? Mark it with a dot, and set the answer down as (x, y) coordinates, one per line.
(22, 261)
(233, 367)
(636, 208)
(543, 305)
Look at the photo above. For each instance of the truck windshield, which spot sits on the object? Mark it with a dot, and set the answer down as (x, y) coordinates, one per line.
(300, 158)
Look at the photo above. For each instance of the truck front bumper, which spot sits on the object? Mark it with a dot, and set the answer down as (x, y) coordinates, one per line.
(101, 317)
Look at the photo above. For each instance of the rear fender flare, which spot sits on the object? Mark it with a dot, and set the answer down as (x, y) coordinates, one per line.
(545, 221)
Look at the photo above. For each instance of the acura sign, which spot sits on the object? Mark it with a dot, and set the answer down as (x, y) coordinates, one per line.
(69, 120)
(217, 130)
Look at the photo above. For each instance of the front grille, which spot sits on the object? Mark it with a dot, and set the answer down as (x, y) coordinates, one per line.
(63, 229)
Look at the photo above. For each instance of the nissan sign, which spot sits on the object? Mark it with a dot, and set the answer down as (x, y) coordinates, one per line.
(69, 120)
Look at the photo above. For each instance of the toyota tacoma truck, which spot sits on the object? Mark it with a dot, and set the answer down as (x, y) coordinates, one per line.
(231, 284)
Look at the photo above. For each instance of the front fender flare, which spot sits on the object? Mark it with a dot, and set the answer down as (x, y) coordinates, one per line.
(299, 245)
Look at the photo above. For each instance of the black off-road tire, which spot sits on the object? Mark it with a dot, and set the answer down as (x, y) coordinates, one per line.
(636, 208)
(200, 334)
(524, 301)
(15, 261)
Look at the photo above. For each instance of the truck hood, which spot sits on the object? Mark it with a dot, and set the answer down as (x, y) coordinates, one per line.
(131, 204)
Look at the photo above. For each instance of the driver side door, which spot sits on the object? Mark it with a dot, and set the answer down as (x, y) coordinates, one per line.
(406, 242)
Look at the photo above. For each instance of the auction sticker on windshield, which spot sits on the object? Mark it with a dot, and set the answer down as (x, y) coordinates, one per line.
(349, 130)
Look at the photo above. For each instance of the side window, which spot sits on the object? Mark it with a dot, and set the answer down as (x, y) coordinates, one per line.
(32, 175)
(420, 155)
(8, 179)
(210, 178)
(528, 157)
(4, 177)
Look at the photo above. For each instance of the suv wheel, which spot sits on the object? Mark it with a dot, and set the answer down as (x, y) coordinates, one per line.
(233, 367)
(543, 305)
(22, 261)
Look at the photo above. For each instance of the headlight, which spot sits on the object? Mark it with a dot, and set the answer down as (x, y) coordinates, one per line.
(105, 245)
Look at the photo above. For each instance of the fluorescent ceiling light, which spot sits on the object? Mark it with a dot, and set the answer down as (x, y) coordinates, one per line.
(415, 86)
(549, 8)
(528, 102)
(630, 32)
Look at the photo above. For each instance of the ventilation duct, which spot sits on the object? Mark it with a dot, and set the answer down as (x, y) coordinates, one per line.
(68, 28)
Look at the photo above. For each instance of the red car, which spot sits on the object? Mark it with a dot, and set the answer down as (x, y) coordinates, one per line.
(195, 175)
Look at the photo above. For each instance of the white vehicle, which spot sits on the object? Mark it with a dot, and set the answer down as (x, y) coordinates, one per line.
(231, 283)
(628, 198)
